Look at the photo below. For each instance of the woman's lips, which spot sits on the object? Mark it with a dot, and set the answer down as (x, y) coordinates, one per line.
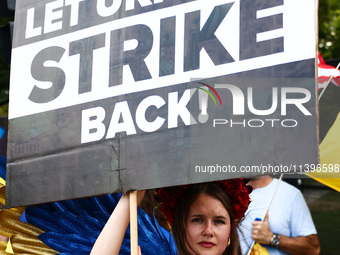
(206, 244)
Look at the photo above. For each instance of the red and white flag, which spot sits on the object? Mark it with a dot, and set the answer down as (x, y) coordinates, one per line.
(325, 72)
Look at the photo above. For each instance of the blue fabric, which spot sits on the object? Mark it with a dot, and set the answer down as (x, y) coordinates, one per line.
(3, 162)
(23, 217)
(73, 226)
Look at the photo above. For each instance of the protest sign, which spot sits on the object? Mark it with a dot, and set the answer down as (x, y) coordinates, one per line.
(110, 96)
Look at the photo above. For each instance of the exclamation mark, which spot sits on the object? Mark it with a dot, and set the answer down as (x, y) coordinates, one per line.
(203, 105)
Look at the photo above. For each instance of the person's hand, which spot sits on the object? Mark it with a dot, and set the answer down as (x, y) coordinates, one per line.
(261, 232)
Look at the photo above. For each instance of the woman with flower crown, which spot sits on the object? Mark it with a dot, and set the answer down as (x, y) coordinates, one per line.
(203, 218)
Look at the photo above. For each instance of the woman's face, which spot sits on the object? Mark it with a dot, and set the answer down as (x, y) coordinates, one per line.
(208, 226)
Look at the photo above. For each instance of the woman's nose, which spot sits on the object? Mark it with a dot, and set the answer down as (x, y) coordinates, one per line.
(208, 229)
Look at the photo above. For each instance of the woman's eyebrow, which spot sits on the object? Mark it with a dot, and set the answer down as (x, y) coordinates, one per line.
(197, 215)
(221, 217)
(216, 217)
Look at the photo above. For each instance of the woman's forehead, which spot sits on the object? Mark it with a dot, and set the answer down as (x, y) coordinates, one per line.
(206, 204)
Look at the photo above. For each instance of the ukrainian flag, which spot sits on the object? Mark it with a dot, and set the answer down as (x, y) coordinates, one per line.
(329, 173)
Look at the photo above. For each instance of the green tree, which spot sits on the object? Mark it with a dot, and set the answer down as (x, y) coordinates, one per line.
(329, 28)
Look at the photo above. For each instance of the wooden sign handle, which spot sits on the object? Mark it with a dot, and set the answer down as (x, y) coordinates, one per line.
(133, 223)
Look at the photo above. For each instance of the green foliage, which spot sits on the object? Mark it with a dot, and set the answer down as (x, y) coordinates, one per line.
(4, 75)
(3, 109)
(329, 28)
(326, 213)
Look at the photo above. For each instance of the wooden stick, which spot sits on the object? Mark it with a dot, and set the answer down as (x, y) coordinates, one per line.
(133, 223)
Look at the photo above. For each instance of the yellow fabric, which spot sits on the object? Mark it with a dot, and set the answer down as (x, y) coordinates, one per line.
(11, 225)
(258, 249)
(3, 245)
(9, 248)
(2, 182)
(29, 245)
(330, 158)
(2, 195)
(23, 237)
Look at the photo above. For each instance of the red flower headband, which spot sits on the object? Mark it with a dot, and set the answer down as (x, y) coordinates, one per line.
(235, 189)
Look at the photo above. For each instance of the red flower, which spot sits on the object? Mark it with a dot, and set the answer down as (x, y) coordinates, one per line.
(239, 195)
(169, 199)
(235, 188)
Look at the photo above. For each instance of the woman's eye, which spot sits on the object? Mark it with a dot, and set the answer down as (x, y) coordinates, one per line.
(219, 222)
(196, 220)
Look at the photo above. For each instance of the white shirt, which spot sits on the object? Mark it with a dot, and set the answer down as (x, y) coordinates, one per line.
(288, 214)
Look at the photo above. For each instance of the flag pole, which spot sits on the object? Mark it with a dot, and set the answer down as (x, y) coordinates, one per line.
(265, 212)
(133, 223)
(336, 69)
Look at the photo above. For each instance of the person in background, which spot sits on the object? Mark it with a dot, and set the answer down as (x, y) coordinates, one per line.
(287, 228)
